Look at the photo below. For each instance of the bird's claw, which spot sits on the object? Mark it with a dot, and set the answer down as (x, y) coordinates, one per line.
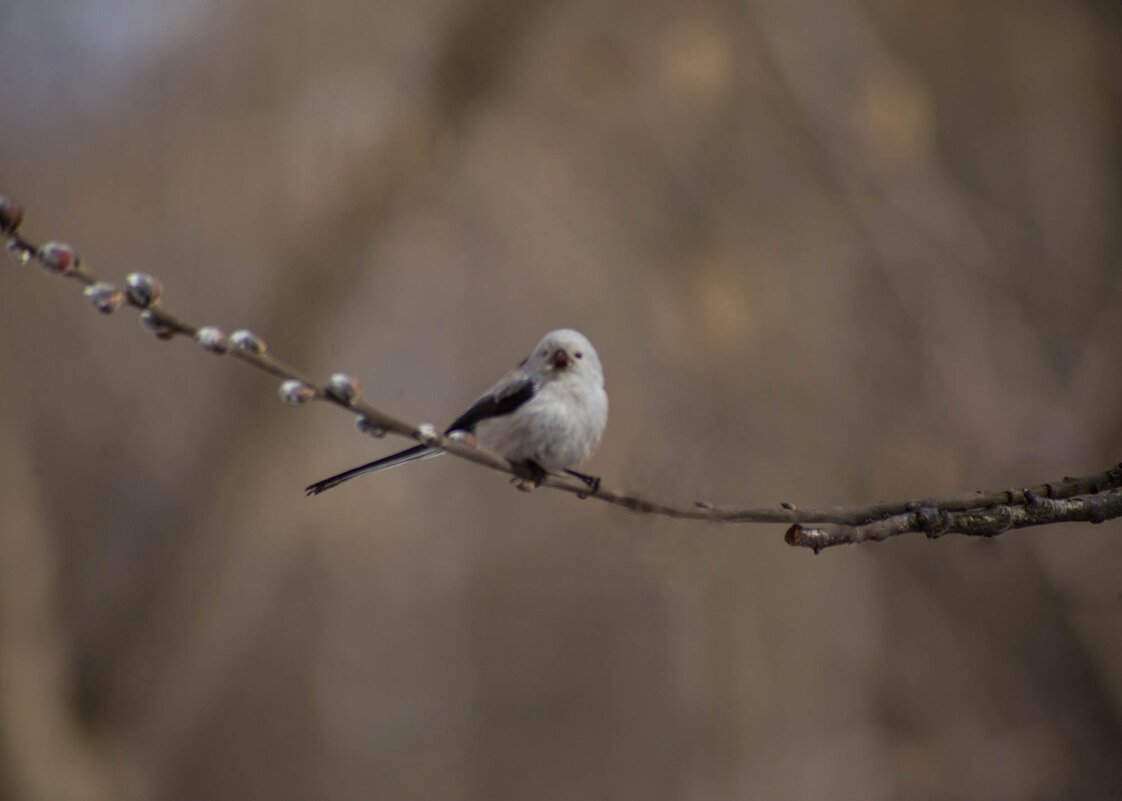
(528, 483)
(593, 483)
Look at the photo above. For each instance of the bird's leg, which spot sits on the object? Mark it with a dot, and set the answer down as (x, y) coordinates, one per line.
(593, 482)
(534, 480)
(537, 472)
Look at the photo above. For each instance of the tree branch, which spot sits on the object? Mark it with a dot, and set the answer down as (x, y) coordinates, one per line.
(1093, 498)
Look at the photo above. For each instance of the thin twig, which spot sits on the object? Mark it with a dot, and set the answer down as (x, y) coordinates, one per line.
(1093, 498)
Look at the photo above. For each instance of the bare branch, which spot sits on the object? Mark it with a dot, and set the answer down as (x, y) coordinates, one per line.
(935, 520)
(1093, 498)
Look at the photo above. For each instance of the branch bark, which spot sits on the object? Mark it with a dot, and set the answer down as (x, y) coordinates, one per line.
(1093, 498)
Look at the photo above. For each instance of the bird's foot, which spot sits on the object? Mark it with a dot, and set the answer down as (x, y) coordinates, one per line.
(593, 482)
(534, 478)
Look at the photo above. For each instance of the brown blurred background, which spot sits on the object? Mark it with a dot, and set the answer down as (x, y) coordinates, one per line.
(830, 251)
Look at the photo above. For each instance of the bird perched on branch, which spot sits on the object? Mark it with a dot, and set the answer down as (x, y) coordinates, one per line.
(547, 414)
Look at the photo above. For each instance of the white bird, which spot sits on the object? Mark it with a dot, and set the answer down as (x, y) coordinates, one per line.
(547, 414)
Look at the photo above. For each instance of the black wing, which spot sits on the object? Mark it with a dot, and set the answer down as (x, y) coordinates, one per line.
(510, 393)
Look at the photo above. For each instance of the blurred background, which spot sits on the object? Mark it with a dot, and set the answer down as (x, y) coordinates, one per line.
(830, 251)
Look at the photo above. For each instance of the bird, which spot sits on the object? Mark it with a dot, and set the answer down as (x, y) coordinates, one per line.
(547, 415)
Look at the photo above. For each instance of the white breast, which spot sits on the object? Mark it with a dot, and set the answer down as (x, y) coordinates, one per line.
(559, 427)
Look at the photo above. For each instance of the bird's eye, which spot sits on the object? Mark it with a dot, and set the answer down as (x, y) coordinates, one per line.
(579, 355)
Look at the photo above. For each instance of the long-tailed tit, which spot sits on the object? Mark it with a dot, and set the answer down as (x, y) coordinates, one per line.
(548, 413)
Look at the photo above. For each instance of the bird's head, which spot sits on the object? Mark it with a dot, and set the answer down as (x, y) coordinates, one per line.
(565, 353)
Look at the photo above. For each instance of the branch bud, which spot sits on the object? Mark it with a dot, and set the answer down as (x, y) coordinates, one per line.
(154, 323)
(296, 393)
(19, 253)
(58, 258)
(368, 426)
(344, 388)
(212, 339)
(248, 341)
(11, 215)
(143, 290)
(106, 298)
(427, 434)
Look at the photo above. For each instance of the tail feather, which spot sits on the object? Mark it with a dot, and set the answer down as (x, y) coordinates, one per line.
(414, 454)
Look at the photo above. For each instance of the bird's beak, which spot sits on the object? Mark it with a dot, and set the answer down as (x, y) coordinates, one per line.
(560, 360)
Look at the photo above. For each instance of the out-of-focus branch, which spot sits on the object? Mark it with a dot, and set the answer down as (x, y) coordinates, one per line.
(1094, 498)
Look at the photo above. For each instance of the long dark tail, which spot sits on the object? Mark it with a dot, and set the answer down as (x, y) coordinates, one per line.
(414, 454)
